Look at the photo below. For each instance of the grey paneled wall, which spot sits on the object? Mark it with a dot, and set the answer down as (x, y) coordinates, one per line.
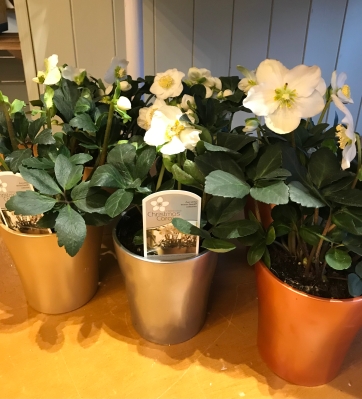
(215, 34)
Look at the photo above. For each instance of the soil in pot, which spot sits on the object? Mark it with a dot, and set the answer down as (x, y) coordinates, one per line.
(292, 272)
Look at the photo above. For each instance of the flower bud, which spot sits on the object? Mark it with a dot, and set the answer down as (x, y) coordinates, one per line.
(251, 124)
(125, 86)
(123, 103)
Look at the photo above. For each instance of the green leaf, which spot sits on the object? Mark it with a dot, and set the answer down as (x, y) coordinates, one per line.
(289, 214)
(107, 176)
(138, 238)
(220, 209)
(84, 122)
(338, 186)
(311, 235)
(16, 158)
(80, 159)
(278, 173)
(67, 174)
(269, 161)
(45, 137)
(48, 220)
(29, 203)
(276, 193)
(188, 228)
(235, 229)
(35, 126)
(225, 185)
(217, 148)
(118, 202)
(234, 141)
(216, 245)
(349, 197)
(48, 97)
(40, 180)
(322, 164)
(144, 161)
(301, 195)
(348, 221)
(17, 106)
(192, 169)
(358, 269)
(95, 219)
(123, 158)
(338, 259)
(71, 230)
(354, 285)
(183, 177)
(218, 161)
(256, 251)
(270, 235)
(89, 199)
(38, 163)
(266, 258)
(167, 185)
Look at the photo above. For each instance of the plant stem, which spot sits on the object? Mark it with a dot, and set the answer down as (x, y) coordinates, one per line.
(307, 123)
(294, 145)
(204, 200)
(160, 177)
(73, 145)
(316, 216)
(359, 157)
(325, 231)
(9, 124)
(94, 167)
(324, 110)
(107, 134)
(49, 119)
(311, 255)
(3, 164)
(257, 211)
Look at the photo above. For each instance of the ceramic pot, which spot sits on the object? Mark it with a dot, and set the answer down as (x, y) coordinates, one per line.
(167, 299)
(53, 281)
(302, 338)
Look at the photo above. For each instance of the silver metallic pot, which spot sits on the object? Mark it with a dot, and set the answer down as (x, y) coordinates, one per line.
(168, 299)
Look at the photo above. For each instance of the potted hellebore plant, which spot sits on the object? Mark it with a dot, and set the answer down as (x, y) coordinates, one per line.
(308, 259)
(53, 163)
(168, 298)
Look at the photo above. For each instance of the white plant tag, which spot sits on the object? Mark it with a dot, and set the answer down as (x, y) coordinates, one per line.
(10, 184)
(161, 240)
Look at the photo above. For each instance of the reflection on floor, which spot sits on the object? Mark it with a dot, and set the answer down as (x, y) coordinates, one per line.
(94, 352)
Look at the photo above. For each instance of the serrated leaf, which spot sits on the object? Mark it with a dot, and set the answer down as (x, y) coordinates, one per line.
(348, 221)
(218, 161)
(71, 230)
(216, 245)
(17, 157)
(16, 106)
(144, 161)
(188, 228)
(277, 173)
(349, 197)
(235, 229)
(89, 199)
(84, 122)
(45, 137)
(338, 259)
(256, 252)
(118, 202)
(269, 161)
(67, 174)
(107, 176)
(224, 184)
(48, 220)
(167, 185)
(29, 203)
(220, 209)
(277, 193)
(183, 177)
(35, 126)
(80, 159)
(192, 169)
(40, 180)
(38, 163)
(301, 195)
(322, 164)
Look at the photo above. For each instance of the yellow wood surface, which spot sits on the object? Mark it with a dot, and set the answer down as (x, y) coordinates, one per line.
(94, 352)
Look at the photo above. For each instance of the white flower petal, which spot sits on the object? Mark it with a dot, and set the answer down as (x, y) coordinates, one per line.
(261, 101)
(341, 78)
(53, 77)
(303, 79)
(283, 120)
(334, 80)
(124, 103)
(175, 146)
(310, 106)
(271, 71)
(348, 155)
(125, 86)
(109, 76)
(155, 136)
(190, 137)
(322, 87)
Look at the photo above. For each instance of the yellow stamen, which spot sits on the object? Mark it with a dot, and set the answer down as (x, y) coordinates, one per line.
(285, 96)
(346, 91)
(166, 82)
(119, 72)
(343, 139)
(251, 82)
(174, 130)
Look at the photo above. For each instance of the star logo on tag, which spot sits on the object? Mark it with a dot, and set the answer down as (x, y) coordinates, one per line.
(3, 187)
(159, 204)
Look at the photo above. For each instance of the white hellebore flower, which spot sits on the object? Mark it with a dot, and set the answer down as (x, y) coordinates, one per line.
(123, 103)
(117, 70)
(125, 86)
(340, 89)
(203, 76)
(249, 81)
(74, 74)
(346, 135)
(221, 95)
(167, 84)
(186, 100)
(285, 96)
(167, 130)
(146, 114)
(52, 74)
(251, 124)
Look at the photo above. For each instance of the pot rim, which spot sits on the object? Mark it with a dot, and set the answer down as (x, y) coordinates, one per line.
(16, 233)
(116, 241)
(312, 297)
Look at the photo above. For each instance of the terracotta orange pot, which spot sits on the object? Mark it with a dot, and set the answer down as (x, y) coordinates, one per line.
(302, 338)
(264, 210)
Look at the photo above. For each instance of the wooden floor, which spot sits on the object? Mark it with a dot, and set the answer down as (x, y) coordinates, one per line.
(94, 352)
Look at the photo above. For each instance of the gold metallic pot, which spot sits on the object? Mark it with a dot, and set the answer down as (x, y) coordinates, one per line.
(168, 299)
(303, 338)
(53, 281)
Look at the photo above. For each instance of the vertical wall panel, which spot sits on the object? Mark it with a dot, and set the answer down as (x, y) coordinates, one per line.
(149, 37)
(250, 39)
(93, 35)
(212, 35)
(174, 32)
(288, 31)
(51, 28)
(350, 56)
(119, 31)
(325, 29)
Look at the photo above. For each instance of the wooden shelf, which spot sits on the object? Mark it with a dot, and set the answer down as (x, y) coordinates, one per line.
(10, 42)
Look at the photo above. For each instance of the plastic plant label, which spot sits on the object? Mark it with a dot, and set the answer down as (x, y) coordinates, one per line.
(10, 184)
(161, 240)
